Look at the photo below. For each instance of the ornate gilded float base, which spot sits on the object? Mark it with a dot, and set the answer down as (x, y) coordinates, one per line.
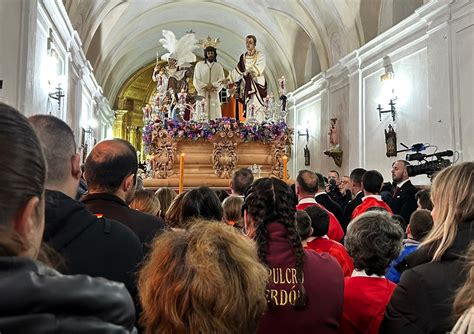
(214, 150)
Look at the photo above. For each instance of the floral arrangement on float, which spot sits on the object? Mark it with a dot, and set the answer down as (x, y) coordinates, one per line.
(192, 130)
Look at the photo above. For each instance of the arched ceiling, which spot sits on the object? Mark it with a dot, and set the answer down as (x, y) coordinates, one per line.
(300, 38)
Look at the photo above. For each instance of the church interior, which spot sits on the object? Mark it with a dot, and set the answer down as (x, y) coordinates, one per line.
(223, 166)
(96, 59)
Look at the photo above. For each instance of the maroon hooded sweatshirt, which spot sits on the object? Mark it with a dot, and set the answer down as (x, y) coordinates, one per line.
(322, 280)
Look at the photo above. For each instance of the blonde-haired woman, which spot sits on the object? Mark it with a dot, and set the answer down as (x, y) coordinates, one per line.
(422, 301)
(464, 302)
(145, 201)
(206, 279)
(166, 197)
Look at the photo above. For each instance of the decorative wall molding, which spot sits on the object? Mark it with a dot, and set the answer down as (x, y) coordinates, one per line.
(426, 52)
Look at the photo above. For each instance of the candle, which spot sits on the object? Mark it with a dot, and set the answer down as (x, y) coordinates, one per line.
(285, 165)
(181, 172)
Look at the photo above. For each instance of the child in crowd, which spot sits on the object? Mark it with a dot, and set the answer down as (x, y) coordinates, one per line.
(232, 207)
(315, 236)
(420, 225)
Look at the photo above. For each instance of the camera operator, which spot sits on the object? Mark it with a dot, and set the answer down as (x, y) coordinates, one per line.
(338, 190)
(403, 202)
(325, 200)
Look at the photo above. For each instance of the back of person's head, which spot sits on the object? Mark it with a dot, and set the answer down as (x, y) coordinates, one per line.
(397, 219)
(373, 240)
(165, 196)
(22, 176)
(307, 182)
(303, 224)
(241, 180)
(321, 181)
(453, 204)
(109, 163)
(423, 199)
(222, 194)
(356, 176)
(174, 211)
(270, 200)
(372, 181)
(421, 223)
(201, 202)
(145, 201)
(319, 220)
(59, 147)
(203, 280)
(232, 207)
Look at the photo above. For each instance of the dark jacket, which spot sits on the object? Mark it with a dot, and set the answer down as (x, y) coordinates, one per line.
(422, 301)
(330, 205)
(323, 283)
(404, 203)
(37, 299)
(350, 207)
(145, 226)
(91, 246)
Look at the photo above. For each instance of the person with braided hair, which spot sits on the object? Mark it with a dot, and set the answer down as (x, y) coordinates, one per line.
(305, 289)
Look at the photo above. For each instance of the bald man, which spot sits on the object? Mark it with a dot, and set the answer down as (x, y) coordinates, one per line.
(403, 202)
(88, 245)
(111, 174)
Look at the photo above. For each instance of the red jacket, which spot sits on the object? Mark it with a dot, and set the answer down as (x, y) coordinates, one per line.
(323, 245)
(365, 300)
(335, 230)
(323, 283)
(369, 202)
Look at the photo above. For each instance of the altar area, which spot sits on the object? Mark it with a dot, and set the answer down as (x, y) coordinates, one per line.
(207, 153)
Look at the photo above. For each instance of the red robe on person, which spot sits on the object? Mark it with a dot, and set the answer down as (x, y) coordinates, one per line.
(365, 301)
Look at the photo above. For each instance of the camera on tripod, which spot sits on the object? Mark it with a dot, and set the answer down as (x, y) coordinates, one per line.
(437, 161)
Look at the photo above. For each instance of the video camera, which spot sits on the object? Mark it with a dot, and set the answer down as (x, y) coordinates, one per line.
(428, 167)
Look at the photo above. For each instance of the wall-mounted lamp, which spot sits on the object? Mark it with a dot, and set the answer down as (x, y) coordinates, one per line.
(389, 73)
(58, 95)
(392, 110)
(304, 133)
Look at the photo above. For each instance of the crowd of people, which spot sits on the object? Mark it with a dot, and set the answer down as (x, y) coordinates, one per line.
(333, 254)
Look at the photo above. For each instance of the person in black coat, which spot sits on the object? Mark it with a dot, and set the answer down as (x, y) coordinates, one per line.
(325, 200)
(93, 246)
(422, 301)
(403, 202)
(36, 298)
(111, 173)
(356, 189)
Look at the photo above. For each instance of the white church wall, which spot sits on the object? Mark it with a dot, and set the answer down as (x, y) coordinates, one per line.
(18, 19)
(35, 27)
(462, 36)
(432, 56)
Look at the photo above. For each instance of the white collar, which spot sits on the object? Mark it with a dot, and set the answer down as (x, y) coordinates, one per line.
(360, 191)
(307, 200)
(362, 273)
(402, 183)
(320, 193)
(377, 197)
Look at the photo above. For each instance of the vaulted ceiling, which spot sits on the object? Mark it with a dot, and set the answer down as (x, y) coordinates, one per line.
(300, 38)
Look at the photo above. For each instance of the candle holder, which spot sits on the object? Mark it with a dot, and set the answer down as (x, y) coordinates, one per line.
(251, 119)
